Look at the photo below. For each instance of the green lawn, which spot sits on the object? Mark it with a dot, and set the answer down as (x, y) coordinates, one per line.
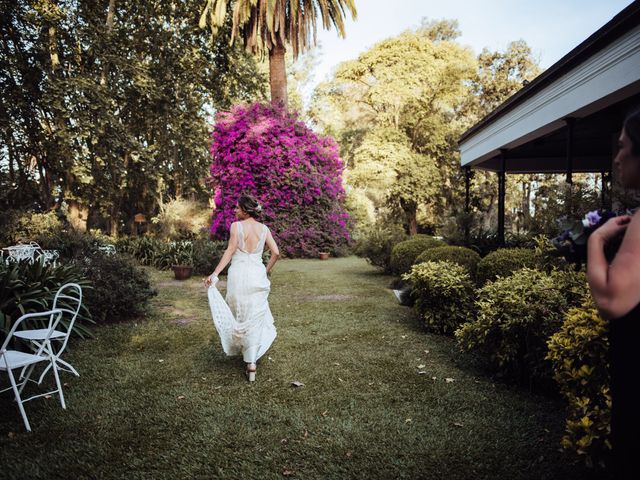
(157, 398)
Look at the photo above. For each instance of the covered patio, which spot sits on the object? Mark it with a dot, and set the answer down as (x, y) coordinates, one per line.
(568, 119)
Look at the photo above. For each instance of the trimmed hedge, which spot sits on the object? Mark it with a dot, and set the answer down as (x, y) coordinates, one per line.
(465, 257)
(404, 254)
(579, 357)
(503, 262)
(443, 293)
(516, 315)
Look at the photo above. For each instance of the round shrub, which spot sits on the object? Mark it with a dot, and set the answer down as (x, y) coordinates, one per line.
(443, 294)
(376, 242)
(465, 257)
(294, 173)
(121, 289)
(579, 357)
(504, 261)
(516, 315)
(404, 254)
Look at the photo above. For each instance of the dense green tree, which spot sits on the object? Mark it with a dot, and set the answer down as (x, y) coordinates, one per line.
(413, 85)
(105, 104)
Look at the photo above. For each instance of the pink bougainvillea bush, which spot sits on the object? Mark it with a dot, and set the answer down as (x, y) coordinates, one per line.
(294, 173)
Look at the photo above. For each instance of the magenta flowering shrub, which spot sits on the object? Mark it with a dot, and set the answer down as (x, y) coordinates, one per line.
(294, 173)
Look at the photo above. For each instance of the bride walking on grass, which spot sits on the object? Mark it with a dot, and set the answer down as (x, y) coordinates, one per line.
(244, 321)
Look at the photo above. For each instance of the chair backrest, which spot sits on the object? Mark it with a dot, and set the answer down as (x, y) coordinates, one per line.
(55, 315)
(68, 299)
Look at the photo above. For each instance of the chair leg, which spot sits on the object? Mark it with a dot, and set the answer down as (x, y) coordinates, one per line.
(68, 367)
(44, 372)
(16, 392)
(55, 373)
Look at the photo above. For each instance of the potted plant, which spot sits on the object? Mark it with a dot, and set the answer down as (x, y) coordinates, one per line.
(324, 249)
(182, 260)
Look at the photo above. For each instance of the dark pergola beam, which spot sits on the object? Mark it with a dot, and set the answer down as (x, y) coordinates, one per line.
(570, 122)
(502, 189)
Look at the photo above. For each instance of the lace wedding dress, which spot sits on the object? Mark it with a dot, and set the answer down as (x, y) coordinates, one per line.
(244, 321)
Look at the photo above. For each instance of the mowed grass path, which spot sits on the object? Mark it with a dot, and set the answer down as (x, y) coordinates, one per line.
(158, 399)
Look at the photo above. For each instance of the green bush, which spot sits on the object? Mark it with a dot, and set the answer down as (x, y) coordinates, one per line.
(144, 249)
(174, 253)
(25, 226)
(515, 317)
(503, 262)
(121, 289)
(465, 257)
(578, 354)
(30, 287)
(181, 219)
(206, 255)
(375, 244)
(72, 244)
(443, 294)
(404, 254)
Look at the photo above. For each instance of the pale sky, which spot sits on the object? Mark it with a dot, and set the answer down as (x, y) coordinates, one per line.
(551, 28)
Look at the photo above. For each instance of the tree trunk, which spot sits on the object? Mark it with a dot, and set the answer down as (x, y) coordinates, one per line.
(115, 213)
(278, 75)
(410, 210)
(109, 24)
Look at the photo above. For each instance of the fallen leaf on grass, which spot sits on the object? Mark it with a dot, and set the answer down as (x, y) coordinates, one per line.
(403, 336)
(427, 352)
(181, 397)
(408, 420)
(161, 360)
(288, 473)
(449, 380)
(218, 387)
(422, 372)
(348, 454)
(421, 366)
(284, 440)
(434, 378)
(297, 384)
(371, 384)
(340, 379)
(47, 397)
(458, 424)
(324, 414)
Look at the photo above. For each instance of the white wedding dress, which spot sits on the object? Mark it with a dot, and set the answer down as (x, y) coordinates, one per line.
(244, 321)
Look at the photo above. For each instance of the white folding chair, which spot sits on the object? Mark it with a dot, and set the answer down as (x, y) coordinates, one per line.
(13, 359)
(68, 299)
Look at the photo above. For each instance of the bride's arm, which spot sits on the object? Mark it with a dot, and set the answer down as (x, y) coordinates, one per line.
(228, 253)
(273, 248)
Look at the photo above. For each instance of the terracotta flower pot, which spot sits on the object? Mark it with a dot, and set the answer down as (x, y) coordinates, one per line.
(324, 255)
(182, 272)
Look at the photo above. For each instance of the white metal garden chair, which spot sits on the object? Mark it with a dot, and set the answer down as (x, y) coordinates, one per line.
(107, 249)
(68, 299)
(16, 253)
(14, 359)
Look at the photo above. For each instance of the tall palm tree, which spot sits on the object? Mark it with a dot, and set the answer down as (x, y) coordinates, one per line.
(271, 25)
